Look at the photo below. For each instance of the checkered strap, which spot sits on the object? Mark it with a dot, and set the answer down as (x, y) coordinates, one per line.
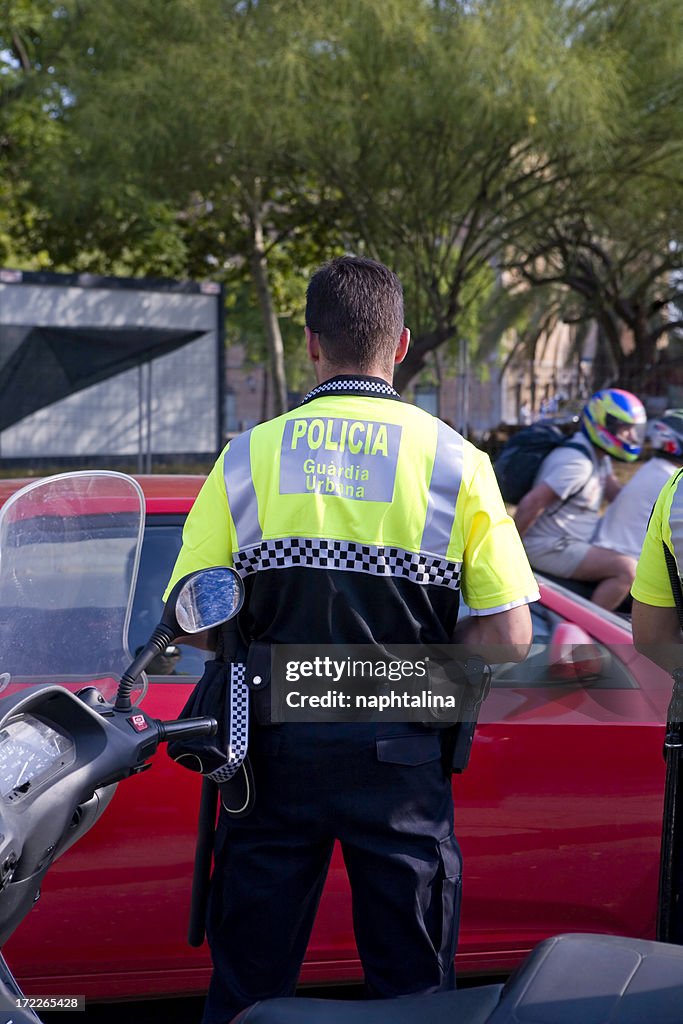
(239, 725)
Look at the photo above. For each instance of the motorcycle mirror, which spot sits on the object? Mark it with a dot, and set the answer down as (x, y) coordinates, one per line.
(202, 600)
(198, 602)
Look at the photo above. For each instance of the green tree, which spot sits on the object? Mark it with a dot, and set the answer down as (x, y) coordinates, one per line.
(179, 145)
(248, 141)
(613, 236)
(30, 35)
(446, 120)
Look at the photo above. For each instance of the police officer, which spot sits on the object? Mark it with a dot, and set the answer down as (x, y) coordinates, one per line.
(656, 630)
(356, 519)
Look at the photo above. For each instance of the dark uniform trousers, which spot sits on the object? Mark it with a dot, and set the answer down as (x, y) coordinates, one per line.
(381, 790)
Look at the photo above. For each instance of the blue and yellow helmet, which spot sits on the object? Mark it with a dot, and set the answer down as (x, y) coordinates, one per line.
(615, 420)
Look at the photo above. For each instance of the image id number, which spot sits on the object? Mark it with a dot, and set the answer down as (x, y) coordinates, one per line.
(50, 1003)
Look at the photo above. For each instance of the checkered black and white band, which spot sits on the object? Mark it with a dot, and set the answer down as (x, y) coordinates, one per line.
(313, 553)
(352, 385)
(239, 725)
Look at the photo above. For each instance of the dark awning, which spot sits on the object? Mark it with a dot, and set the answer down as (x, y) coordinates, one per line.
(41, 365)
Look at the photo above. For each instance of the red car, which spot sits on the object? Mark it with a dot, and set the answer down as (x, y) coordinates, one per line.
(558, 814)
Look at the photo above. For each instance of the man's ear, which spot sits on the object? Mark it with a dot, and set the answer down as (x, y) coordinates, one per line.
(403, 345)
(312, 345)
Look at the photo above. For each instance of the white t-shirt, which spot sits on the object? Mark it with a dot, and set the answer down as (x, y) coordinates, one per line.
(623, 526)
(579, 482)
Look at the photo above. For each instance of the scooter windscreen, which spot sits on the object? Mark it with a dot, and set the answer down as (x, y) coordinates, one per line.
(69, 553)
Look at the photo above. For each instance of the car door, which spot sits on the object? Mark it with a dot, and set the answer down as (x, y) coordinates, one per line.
(557, 815)
(559, 812)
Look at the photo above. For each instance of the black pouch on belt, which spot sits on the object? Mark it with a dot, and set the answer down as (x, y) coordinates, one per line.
(257, 678)
(474, 683)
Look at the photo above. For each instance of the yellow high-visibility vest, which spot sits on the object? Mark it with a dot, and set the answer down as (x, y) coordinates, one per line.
(357, 482)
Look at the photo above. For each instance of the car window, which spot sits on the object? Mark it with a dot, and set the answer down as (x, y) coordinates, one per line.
(161, 544)
(537, 670)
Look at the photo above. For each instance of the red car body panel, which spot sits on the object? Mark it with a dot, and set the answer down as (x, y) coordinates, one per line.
(558, 816)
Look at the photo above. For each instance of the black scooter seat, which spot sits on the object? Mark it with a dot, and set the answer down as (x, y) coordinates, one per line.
(469, 1006)
(569, 979)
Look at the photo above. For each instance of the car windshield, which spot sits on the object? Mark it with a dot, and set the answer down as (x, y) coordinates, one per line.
(161, 544)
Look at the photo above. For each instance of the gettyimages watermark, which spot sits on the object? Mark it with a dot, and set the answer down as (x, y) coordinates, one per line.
(442, 685)
(401, 683)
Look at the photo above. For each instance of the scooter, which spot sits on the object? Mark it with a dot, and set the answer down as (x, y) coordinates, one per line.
(64, 749)
(63, 753)
(569, 979)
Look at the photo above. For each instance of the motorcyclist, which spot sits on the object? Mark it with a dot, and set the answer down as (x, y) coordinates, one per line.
(558, 517)
(622, 527)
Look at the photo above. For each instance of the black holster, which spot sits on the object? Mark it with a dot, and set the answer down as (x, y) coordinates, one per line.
(457, 739)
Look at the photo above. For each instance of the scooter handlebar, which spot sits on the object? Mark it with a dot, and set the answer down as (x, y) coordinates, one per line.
(187, 728)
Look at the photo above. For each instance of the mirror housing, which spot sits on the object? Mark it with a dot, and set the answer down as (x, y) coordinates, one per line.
(198, 602)
(202, 600)
(574, 656)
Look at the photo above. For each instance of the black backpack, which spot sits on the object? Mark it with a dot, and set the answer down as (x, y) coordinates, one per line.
(522, 455)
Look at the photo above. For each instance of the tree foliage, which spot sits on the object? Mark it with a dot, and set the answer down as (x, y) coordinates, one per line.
(248, 142)
(612, 237)
(446, 119)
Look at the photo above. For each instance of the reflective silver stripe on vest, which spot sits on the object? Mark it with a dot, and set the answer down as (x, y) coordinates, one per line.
(444, 488)
(676, 524)
(240, 490)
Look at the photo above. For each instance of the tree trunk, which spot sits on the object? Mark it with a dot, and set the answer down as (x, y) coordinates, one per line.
(634, 365)
(416, 359)
(259, 269)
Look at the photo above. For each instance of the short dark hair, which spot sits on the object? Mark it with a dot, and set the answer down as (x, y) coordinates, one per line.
(355, 305)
